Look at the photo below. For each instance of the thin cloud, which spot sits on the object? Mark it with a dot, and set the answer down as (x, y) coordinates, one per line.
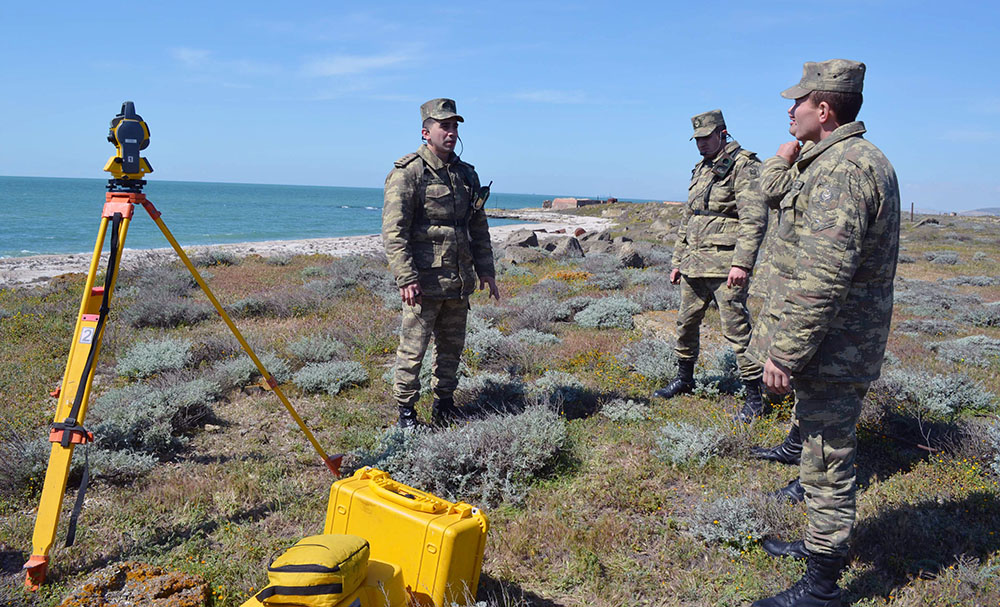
(970, 136)
(344, 65)
(191, 57)
(553, 96)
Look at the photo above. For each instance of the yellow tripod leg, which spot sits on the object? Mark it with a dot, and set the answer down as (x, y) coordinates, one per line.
(333, 463)
(85, 338)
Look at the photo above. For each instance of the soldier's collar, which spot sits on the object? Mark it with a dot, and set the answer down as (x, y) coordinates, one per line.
(431, 159)
(842, 132)
(727, 150)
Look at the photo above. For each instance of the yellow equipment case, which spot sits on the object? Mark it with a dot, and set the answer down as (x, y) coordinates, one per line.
(437, 544)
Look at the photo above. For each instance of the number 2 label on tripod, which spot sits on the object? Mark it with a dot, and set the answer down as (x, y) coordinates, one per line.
(87, 335)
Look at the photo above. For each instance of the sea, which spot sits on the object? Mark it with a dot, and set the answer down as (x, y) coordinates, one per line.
(47, 215)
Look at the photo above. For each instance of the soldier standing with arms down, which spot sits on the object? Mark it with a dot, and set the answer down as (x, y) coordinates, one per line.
(720, 233)
(824, 326)
(437, 241)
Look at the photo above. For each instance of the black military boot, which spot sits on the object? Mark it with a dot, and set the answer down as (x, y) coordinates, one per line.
(778, 548)
(817, 588)
(788, 452)
(444, 411)
(753, 405)
(793, 491)
(682, 384)
(407, 417)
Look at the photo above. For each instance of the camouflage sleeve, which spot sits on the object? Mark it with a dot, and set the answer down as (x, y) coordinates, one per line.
(479, 237)
(775, 180)
(830, 236)
(681, 243)
(397, 216)
(752, 211)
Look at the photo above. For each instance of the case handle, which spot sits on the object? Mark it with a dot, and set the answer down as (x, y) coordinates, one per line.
(408, 497)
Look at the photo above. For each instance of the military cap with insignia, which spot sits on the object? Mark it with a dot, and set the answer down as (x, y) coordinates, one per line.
(440, 109)
(705, 123)
(835, 75)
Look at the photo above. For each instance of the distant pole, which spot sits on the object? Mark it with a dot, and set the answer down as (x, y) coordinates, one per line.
(911, 212)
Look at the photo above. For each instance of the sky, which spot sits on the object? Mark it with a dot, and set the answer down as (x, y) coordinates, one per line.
(560, 98)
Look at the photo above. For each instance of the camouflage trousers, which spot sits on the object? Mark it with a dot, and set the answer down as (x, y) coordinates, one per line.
(696, 295)
(827, 413)
(443, 319)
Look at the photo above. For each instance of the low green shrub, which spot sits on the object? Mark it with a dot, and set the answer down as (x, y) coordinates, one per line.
(151, 419)
(607, 281)
(165, 313)
(721, 376)
(486, 462)
(317, 348)
(622, 410)
(935, 396)
(537, 311)
(330, 377)
(929, 326)
(659, 296)
(215, 257)
(652, 358)
(738, 523)
(978, 350)
(492, 392)
(949, 258)
(993, 441)
(151, 357)
(681, 444)
(556, 388)
(531, 337)
(973, 281)
(615, 311)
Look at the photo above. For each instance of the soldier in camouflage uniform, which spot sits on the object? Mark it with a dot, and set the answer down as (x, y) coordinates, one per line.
(824, 326)
(720, 233)
(437, 241)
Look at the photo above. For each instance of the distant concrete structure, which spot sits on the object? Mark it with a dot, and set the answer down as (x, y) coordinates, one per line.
(573, 203)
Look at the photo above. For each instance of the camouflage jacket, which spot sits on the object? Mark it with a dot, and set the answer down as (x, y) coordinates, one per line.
(431, 233)
(829, 295)
(724, 220)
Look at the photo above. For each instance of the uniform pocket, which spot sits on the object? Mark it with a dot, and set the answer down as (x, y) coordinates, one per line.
(721, 240)
(438, 202)
(787, 216)
(424, 256)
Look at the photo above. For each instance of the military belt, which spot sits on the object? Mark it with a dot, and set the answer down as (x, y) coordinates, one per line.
(458, 223)
(714, 214)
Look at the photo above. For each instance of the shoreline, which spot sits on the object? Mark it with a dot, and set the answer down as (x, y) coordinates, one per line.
(36, 270)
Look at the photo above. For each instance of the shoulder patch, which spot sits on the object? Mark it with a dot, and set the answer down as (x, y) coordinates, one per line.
(405, 160)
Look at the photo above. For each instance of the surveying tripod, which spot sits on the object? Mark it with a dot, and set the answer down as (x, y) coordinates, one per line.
(129, 134)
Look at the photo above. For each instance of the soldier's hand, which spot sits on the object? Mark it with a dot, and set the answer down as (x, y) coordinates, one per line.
(675, 276)
(789, 151)
(411, 293)
(494, 289)
(777, 378)
(737, 277)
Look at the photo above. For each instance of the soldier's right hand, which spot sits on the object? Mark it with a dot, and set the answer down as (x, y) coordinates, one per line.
(789, 151)
(675, 276)
(411, 293)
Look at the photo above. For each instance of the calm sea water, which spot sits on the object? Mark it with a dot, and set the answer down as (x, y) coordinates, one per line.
(40, 215)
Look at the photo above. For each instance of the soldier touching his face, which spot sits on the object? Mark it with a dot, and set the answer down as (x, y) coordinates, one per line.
(825, 323)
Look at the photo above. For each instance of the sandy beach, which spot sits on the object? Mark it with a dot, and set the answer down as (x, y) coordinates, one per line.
(37, 269)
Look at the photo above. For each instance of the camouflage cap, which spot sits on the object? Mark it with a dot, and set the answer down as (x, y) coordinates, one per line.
(705, 123)
(837, 75)
(439, 109)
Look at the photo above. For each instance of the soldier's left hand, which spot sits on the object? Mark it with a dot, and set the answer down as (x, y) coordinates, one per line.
(777, 378)
(737, 277)
(494, 289)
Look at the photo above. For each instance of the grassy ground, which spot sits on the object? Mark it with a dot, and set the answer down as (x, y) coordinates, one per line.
(608, 524)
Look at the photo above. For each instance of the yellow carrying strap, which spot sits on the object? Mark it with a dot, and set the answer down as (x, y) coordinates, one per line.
(333, 463)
